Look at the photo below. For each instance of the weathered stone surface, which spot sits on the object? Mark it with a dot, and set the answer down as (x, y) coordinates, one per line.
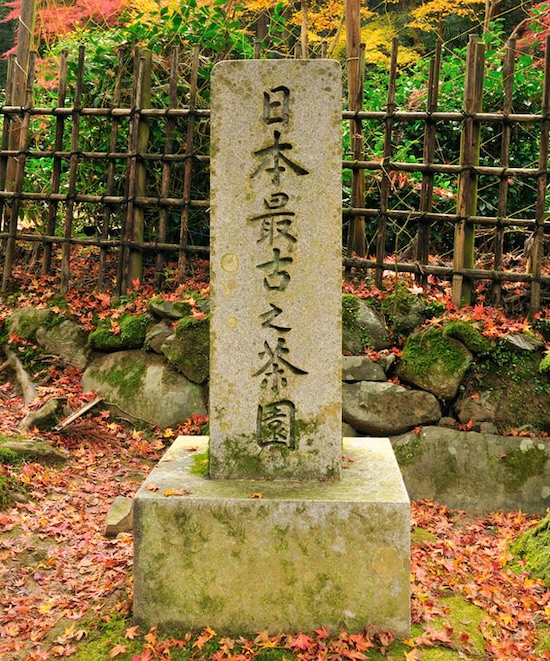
(434, 362)
(482, 408)
(188, 350)
(385, 408)
(362, 327)
(156, 335)
(66, 340)
(34, 449)
(44, 417)
(305, 555)
(275, 393)
(120, 517)
(24, 322)
(130, 335)
(348, 431)
(361, 368)
(523, 342)
(142, 385)
(477, 472)
(386, 361)
(168, 309)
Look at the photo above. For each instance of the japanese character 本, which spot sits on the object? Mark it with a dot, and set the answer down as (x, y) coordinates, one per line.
(274, 158)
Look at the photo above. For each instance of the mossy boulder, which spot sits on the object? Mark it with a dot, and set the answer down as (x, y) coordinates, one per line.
(534, 548)
(434, 362)
(19, 448)
(508, 389)
(128, 333)
(475, 471)
(468, 334)
(188, 349)
(164, 309)
(381, 409)
(362, 326)
(404, 311)
(67, 340)
(24, 322)
(143, 386)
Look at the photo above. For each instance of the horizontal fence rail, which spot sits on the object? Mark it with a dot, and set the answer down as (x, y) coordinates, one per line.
(139, 175)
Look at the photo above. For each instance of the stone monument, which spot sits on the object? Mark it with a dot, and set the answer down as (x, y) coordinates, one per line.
(278, 535)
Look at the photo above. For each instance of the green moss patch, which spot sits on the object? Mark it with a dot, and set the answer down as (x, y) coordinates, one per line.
(350, 310)
(468, 335)
(128, 379)
(424, 350)
(131, 336)
(534, 548)
(201, 464)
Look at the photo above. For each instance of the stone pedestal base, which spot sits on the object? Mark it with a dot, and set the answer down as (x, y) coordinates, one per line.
(246, 555)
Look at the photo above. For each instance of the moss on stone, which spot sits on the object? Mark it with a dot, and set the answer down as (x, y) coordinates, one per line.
(544, 365)
(521, 464)
(534, 547)
(350, 310)
(468, 335)
(201, 464)
(406, 453)
(423, 350)
(421, 536)
(131, 336)
(128, 379)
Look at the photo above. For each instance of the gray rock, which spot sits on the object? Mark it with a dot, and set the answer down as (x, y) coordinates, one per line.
(168, 309)
(44, 417)
(361, 368)
(156, 336)
(362, 327)
(24, 322)
(447, 421)
(120, 517)
(523, 342)
(144, 387)
(382, 409)
(476, 471)
(478, 409)
(188, 349)
(66, 340)
(434, 362)
(386, 361)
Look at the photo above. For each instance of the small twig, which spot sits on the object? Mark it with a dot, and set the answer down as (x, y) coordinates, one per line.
(27, 386)
(4, 365)
(74, 416)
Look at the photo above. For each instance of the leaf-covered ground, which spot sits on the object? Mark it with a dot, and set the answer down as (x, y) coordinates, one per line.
(66, 590)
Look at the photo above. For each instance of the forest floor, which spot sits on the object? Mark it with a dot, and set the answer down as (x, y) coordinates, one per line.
(66, 589)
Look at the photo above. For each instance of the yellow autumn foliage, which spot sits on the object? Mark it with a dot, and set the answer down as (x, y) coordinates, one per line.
(429, 16)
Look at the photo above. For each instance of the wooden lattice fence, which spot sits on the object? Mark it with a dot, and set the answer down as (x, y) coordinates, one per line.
(146, 174)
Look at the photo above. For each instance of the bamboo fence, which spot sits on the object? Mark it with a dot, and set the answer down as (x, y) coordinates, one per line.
(149, 188)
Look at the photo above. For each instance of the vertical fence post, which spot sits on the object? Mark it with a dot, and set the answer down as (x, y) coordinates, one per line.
(426, 194)
(464, 242)
(166, 165)
(6, 140)
(303, 32)
(385, 185)
(131, 257)
(57, 162)
(540, 213)
(21, 158)
(356, 233)
(111, 171)
(508, 80)
(188, 164)
(73, 171)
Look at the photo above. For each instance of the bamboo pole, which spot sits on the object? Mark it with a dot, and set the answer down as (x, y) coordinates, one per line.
(188, 165)
(56, 171)
(6, 138)
(464, 243)
(23, 135)
(304, 29)
(73, 171)
(426, 195)
(540, 212)
(385, 185)
(166, 165)
(508, 80)
(356, 240)
(111, 171)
